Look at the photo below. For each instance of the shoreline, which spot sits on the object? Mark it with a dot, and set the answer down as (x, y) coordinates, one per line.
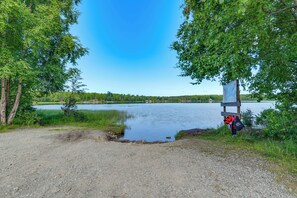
(115, 103)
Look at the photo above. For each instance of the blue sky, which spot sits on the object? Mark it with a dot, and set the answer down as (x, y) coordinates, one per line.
(129, 48)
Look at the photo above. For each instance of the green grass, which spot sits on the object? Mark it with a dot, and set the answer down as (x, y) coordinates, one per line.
(281, 155)
(278, 150)
(4, 129)
(47, 103)
(111, 121)
(179, 135)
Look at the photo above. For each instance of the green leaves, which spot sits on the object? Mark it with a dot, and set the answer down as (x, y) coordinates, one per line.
(36, 45)
(227, 40)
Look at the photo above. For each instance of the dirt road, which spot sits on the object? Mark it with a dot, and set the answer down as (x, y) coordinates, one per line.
(48, 162)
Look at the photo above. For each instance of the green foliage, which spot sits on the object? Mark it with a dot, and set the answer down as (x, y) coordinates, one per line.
(262, 119)
(112, 121)
(283, 152)
(75, 87)
(109, 97)
(36, 45)
(179, 135)
(69, 106)
(36, 41)
(27, 118)
(279, 124)
(247, 118)
(254, 41)
(276, 149)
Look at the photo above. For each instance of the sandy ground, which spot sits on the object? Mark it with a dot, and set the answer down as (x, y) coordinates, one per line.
(49, 162)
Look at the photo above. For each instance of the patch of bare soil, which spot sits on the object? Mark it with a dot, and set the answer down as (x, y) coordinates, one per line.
(79, 135)
(137, 141)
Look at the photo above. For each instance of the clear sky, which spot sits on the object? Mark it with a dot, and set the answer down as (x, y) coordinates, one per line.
(129, 48)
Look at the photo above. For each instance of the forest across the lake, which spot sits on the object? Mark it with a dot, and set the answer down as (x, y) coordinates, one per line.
(114, 98)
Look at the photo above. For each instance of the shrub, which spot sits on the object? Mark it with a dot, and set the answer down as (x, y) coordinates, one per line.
(179, 135)
(279, 124)
(69, 107)
(247, 118)
(75, 87)
(27, 117)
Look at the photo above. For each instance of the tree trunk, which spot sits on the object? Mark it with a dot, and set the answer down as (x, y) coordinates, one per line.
(7, 94)
(3, 102)
(16, 103)
(3, 91)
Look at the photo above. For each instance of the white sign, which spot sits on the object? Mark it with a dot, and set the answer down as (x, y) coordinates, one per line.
(229, 92)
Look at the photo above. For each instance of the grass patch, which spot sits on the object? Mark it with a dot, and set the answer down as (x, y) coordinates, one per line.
(110, 121)
(251, 139)
(180, 135)
(282, 155)
(4, 129)
(48, 103)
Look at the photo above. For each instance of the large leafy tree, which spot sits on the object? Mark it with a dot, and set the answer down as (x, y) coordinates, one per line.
(251, 40)
(35, 48)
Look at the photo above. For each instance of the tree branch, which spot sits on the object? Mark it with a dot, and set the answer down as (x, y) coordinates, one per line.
(281, 10)
(286, 21)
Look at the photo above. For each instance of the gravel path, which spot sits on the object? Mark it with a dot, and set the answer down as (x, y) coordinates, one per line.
(49, 162)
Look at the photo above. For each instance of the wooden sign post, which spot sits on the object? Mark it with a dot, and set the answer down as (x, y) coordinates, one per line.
(231, 98)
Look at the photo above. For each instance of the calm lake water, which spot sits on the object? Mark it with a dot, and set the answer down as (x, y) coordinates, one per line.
(155, 122)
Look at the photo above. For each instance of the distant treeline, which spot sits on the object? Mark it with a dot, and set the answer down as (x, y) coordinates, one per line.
(105, 98)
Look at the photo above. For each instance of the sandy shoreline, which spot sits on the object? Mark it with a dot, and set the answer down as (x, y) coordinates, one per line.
(48, 162)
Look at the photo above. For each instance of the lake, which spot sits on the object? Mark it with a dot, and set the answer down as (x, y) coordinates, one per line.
(155, 122)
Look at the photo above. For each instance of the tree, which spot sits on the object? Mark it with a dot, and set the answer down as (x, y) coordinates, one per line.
(109, 96)
(75, 87)
(36, 45)
(254, 41)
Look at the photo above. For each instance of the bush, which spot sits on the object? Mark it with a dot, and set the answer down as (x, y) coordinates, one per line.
(79, 116)
(27, 117)
(75, 87)
(279, 124)
(69, 107)
(247, 118)
(179, 135)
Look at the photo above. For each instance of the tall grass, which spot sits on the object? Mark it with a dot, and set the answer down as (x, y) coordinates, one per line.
(105, 120)
(112, 121)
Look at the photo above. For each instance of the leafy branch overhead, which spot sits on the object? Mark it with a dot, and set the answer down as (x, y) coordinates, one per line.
(254, 41)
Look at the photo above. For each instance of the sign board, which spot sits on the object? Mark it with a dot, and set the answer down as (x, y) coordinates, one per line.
(230, 92)
(231, 97)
